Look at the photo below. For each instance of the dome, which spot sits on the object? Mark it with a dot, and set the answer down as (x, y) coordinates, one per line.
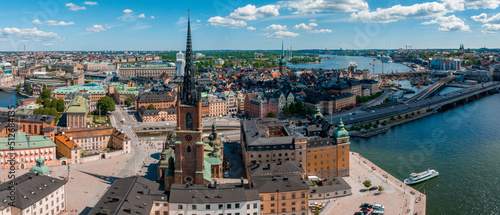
(40, 168)
(340, 132)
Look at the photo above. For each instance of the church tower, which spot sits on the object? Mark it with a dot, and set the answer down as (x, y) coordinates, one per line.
(189, 150)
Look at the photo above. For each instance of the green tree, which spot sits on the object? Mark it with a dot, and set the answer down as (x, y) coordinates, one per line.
(309, 111)
(53, 103)
(72, 82)
(28, 89)
(384, 123)
(286, 110)
(299, 107)
(413, 114)
(387, 100)
(316, 212)
(367, 183)
(392, 118)
(406, 116)
(271, 114)
(399, 117)
(377, 122)
(44, 87)
(46, 94)
(128, 101)
(106, 104)
(151, 107)
(18, 88)
(380, 188)
(418, 112)
(367, 127)
(60, 105)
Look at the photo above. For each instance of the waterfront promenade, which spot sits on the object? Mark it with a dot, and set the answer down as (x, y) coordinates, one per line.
(396, 196)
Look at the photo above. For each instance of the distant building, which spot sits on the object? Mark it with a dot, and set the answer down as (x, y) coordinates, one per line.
(495, 70)
(120, 92)
(371, 85)
(180, 63)
(27, 150)
(49, 199)
(157, 115)
(76, 114)
(95, 66)
(147, 70)
(160, 100)
(32, 124)
(97, 139)
(95, 90)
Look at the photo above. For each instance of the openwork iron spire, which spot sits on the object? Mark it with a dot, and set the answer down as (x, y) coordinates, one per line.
(189, 94)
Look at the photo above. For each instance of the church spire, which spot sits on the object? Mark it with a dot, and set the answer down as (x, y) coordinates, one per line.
(189, 94)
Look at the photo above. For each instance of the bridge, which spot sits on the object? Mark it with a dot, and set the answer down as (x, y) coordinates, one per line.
(432, 104)
(429, 91)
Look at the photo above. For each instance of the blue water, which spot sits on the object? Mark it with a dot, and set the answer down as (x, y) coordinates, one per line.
(462, 144)
(339, 62)
(9, 98)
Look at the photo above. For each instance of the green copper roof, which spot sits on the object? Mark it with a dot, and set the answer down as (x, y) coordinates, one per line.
(207, 173)
(77, 105)
(21, 142)
(340, 132)
(213, 161)
(91, 88)
(40, 168)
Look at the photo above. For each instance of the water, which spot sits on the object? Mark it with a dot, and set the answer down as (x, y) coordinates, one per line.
(449, 90)
(96, 78)
(9, 98)
(339, 62)
(461, 143)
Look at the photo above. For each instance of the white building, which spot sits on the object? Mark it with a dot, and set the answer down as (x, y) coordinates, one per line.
(180, 63)
(35, 195)
(215, 199)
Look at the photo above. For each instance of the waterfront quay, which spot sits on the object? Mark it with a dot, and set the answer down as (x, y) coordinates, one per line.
(397, 198)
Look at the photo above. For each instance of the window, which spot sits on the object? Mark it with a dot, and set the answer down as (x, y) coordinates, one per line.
(179, 207)
(165, 204)
(254, 205)
(283, 204)
(165, 212)
(221, 206)
(283, 209)
(207, 207)
(236, 213)
(237, 205)
(293, 196)
(254, 213)
(303, 195)
(293, 209)
(283, 197)
(248, 206)
(272, 210)
(228, 206)
(157, 212)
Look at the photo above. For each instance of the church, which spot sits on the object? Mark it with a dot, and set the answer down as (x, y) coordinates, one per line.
(189, 157)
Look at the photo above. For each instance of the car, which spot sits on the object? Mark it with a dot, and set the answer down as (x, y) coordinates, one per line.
(373, 188)
(366, 209)
(349, 114)
(366, 205)
(379, 212)
(226, 174)
(378, 207)
(373, 111)
(359, 213)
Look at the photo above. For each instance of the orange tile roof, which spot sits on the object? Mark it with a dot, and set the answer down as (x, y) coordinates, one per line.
(67, 142)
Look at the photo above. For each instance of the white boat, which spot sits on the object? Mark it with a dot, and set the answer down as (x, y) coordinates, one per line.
(420, 177)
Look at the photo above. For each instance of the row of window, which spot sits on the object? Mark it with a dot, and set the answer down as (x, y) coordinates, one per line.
(255, 213)
(321, 156)
(220, 206)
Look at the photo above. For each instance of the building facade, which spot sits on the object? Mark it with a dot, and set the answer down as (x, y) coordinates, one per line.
(27, 150)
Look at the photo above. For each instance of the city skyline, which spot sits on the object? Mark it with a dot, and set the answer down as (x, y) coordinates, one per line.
(237, 25)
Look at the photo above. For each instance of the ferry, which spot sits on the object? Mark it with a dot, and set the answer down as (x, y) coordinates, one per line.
(420, 177)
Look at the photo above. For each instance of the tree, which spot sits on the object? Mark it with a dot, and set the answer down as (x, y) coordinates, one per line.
(316, 212)
(44, 87)
(392, 118)
(293, 108)
(18, 88)
(309, 111)
(128, 101)
(387, 100)
(60, 105)
(367, 183)
(367, 127)
(418, 112)
(300, 107)
(399, 117)
(44, 96)
(271, 114)
(384, 123)
(106, 104)
(286, 110)
(151, 107)
(53, 103)
(28, 89)
(406, 116)
(377, 122)
(413, 114)
(380, 188)
(72, 82)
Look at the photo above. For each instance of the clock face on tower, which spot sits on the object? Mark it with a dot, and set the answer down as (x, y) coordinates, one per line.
(188, 137)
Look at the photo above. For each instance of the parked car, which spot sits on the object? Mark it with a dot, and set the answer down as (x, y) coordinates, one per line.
(373, 188)
(377, 206)
(359, 213)
(226, 174)
(366, 205)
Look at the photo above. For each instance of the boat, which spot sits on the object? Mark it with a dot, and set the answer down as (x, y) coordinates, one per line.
(386, 59)
(416, 178)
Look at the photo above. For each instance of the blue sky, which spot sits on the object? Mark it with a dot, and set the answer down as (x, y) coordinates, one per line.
(244, 25)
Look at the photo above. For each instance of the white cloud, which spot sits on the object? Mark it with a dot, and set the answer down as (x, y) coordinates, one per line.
(128, 11)
(97, 28)
(398, 12)
(315, 6)
(48, 44)
(275, 27)
(74, 7)
(251, 28)
(312, 20)
(320, 31)
(56, 23)
(491, 25)
(283, 34)
(153, 17)
(450, 23)
(251, 12)
(302, 26)
(313, 24)
(142, 16)
(480, 18)
(491, 28)
(90, 3)
(226, 22)
(198, 20)
(482, 4)
(32, 34)
(36, 22)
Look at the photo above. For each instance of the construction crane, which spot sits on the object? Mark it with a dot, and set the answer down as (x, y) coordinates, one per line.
(373, 64)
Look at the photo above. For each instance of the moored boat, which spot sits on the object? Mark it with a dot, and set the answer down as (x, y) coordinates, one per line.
(416, 178)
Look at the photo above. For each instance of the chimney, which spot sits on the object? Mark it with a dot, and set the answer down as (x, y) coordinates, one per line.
(70, 138)
(215, 184)
(62, 132)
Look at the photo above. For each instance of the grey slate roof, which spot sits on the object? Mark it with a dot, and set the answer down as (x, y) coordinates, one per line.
(275, 168)
(28, 189)
(330, 185)
(132, 195)
(273, 184)
(221, 193)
